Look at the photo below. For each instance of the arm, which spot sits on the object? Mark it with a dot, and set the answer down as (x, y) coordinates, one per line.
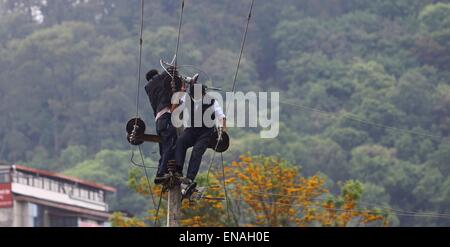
(178, 100)
(220, 116)
(223, 123)
(178, 97)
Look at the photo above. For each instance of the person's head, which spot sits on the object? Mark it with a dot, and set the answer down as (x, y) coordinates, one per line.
(173, 72)
(152, 73)
(197, 91)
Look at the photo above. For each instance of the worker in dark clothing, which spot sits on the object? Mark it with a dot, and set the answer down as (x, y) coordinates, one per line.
(159, 91)
(197, 131)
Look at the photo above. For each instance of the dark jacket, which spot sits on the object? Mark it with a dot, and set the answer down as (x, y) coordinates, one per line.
(159, 92)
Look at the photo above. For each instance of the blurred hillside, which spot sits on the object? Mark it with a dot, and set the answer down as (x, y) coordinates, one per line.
(367, 84)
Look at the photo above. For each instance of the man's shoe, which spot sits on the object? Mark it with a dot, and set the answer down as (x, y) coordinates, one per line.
(161, 179)
(185, 180)
(190, 188)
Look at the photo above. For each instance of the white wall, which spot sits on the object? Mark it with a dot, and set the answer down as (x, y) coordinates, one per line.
(55, 197)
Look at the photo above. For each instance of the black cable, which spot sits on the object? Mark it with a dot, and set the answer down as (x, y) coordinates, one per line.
(157, 209)
(147, 178)
(137, 107)
(359, 202)
(178, 38)
(349, 210)
(242, 45)
(244, 38)
(227, 200)
(138, 77)
(173, 78)
(140, 165)
(367, 122)
(175, 57)
(140, 59)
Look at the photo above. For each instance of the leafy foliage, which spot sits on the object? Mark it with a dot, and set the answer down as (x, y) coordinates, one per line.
(267, 191)
(364, 83)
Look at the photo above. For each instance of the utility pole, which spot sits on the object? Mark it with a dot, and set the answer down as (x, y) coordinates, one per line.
(174, 196)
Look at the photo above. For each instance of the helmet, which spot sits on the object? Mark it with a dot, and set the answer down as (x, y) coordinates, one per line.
(191, 80)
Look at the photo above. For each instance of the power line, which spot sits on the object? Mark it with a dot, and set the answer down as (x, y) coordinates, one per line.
(398, 212)
(174, 200)
(360, 202)
(227, 201)
(141, 30)
(140, 165)
(159, 206)
(348, 210)
(178, 39)
(364, 121)
(244, 38)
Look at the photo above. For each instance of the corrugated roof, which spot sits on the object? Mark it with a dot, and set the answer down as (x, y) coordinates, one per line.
(63, 177)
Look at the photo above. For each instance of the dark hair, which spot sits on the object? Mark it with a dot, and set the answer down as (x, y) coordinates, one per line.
(191, 89)
(151, 74)
(172, 71)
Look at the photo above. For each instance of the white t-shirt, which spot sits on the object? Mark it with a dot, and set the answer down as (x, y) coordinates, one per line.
(218, 112)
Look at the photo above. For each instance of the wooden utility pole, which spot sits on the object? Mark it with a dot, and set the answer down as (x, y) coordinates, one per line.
(174, 197)
(174, 206)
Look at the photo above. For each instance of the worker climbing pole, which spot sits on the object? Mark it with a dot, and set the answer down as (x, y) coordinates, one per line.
(169, 173)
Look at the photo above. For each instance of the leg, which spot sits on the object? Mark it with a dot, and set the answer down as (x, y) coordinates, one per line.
(168, 136)
(197, 152)
(159, 173)
(185, 141)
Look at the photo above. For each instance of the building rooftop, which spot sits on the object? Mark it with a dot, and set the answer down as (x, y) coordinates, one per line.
(62, 177)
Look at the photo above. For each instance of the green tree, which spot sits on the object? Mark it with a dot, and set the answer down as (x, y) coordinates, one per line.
(112, 168)
(434, 44)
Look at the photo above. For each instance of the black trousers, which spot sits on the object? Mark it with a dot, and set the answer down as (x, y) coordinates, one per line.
(168, 134)
(198, 138)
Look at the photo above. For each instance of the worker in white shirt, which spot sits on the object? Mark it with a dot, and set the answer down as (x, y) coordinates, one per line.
(204, 113)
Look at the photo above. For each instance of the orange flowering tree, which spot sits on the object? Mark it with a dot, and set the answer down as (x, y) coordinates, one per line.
(268, 191)
(263, 191)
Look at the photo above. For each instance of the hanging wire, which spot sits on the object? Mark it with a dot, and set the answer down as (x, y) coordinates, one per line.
(425, 215)
(157, 209)
(242, 46)
(178, 38)
(173, 78)
(142, 165)
(398, 212)
(364, 121)
(225, 187)
(359, 202)
(244, 38)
